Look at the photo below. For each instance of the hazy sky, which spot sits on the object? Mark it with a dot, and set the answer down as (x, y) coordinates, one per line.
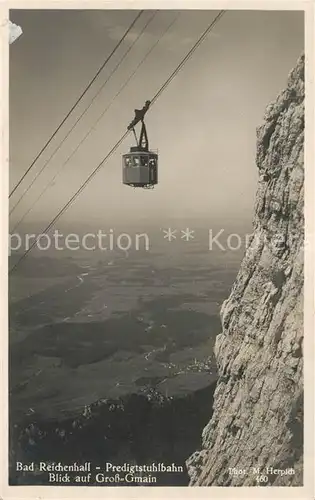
(203, 125)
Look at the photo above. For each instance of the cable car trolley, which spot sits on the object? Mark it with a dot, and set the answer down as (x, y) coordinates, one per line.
(140, 165)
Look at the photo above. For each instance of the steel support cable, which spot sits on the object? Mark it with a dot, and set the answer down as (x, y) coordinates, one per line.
(77, 102)
(188, 55)
(72, 199)
(95, 171)
(99, 118)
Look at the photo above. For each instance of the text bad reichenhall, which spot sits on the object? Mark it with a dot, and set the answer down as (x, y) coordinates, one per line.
(86, 467)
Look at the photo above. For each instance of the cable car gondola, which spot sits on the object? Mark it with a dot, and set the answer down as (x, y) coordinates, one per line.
(140, 165)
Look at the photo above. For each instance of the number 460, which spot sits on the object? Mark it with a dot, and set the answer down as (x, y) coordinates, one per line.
(261, 479)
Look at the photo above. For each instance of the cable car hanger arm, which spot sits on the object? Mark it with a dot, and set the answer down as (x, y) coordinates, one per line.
(139, 115)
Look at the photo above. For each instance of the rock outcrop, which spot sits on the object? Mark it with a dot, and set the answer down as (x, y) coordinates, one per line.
(257, 419)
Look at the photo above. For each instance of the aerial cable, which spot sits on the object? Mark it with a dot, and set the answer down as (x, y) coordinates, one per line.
(98, 120)
(77, 102)
(95, 171)
(72, 199)
(188, 55)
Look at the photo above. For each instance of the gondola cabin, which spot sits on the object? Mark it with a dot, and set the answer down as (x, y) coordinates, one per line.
(140, 166)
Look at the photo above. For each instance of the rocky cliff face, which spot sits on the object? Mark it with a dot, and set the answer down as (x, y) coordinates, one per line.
(258, 403)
